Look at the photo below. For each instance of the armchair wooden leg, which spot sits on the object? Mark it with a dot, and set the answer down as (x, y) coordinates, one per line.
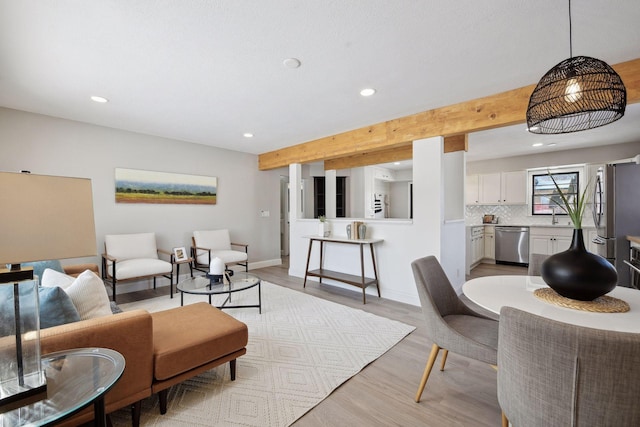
(445, 353)
(427, 370)
(505, 421)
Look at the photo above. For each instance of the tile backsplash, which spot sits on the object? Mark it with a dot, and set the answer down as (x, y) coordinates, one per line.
(518, 215)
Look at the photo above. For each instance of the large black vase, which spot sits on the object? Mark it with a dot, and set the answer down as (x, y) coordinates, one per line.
(578, 274)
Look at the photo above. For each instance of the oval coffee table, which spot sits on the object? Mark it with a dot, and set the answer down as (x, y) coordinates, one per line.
(240, 281)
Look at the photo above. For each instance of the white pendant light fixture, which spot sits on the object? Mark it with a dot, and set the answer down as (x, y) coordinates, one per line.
(577, 94)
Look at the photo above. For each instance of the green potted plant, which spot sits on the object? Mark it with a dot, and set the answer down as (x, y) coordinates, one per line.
(574, 208)
(577, 273)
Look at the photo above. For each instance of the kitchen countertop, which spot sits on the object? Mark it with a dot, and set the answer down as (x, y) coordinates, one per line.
(635, 240)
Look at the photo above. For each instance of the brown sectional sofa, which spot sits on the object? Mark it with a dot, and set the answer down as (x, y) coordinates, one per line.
(190, 340)
(161, 349)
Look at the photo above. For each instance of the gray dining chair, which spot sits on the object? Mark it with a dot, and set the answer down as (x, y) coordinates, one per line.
(535, 264)
(557, 374)
(451, 325)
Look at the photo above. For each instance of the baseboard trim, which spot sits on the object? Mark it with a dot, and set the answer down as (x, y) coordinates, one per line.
(126, 287)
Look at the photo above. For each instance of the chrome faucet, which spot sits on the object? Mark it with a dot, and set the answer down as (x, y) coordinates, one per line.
(554, 220)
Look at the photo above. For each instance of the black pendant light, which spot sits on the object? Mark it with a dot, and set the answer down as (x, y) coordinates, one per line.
(577, 94)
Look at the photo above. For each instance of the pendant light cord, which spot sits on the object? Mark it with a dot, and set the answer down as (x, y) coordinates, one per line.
(570, 41)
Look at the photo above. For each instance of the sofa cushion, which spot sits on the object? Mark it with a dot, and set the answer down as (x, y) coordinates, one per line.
(141, 267)
(131, 246)
(87, 292)
(219, 242)
(56, 308)
(213, 239)
(229, 257)
(212, 334)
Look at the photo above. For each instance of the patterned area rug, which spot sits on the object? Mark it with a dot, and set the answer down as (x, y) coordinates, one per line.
(300, 349)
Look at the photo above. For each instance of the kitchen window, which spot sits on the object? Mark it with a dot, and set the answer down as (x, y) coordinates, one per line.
(544, 195)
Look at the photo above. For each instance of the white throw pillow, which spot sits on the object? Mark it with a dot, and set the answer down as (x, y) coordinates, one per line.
(89, 296)
(52, 278)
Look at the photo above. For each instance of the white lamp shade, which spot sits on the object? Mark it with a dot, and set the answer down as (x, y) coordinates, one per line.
(216, 267)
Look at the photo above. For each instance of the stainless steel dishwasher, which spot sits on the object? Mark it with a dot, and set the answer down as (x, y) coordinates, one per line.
(512, 245)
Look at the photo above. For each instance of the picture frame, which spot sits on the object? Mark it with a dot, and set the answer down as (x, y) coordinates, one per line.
(180, 254)
(141, 186)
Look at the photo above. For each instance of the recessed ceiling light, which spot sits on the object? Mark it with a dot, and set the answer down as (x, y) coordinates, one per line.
(247, 135)
(367, 92)
(291, 63)
(537, 144)
(396, 163)
(99, 99)
(553, 144)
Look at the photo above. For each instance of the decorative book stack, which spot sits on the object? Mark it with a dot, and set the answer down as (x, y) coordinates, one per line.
(356, 230)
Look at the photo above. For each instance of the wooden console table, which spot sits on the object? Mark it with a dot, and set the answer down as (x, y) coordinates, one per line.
(352, 279)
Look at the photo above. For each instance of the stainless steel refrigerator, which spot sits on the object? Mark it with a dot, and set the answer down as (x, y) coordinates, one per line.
(616, 214)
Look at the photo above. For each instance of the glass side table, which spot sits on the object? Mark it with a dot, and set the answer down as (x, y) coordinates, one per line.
(75, 379)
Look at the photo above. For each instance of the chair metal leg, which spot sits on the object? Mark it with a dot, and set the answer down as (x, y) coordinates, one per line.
(162, 398)
(136, 410)
(427, 370)
(445, 353)
(232, 369)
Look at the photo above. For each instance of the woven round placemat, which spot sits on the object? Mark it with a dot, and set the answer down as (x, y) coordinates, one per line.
(603, 304)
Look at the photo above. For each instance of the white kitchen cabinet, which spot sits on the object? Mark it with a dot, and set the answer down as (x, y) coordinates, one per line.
(489, 242)
(472, 190)
(490, 189)
(383, 174)
(513, 188)
(500, 188)
(549, 240)
(477, 244)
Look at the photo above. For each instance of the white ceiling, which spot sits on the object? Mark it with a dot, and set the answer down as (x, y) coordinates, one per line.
(209, 71)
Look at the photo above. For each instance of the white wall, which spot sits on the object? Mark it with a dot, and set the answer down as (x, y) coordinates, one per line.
(404, 240)
(453, 226)
(399, 199)
(601, 154)
(52, 146)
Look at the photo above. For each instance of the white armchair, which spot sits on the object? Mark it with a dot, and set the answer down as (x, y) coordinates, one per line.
(217, 243)
(132, 257)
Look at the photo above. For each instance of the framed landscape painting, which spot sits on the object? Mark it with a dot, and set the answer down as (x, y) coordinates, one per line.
(138, 186)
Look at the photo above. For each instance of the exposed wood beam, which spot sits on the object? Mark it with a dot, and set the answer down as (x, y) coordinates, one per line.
(502, 109)
(456, 143)
(403, 152)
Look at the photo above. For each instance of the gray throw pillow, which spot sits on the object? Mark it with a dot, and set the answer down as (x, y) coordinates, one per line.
(56, 308)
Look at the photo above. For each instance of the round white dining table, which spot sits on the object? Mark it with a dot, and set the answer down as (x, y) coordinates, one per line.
(494, 292)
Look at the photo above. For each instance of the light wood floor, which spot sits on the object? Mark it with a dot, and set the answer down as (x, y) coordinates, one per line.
(382, 394)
